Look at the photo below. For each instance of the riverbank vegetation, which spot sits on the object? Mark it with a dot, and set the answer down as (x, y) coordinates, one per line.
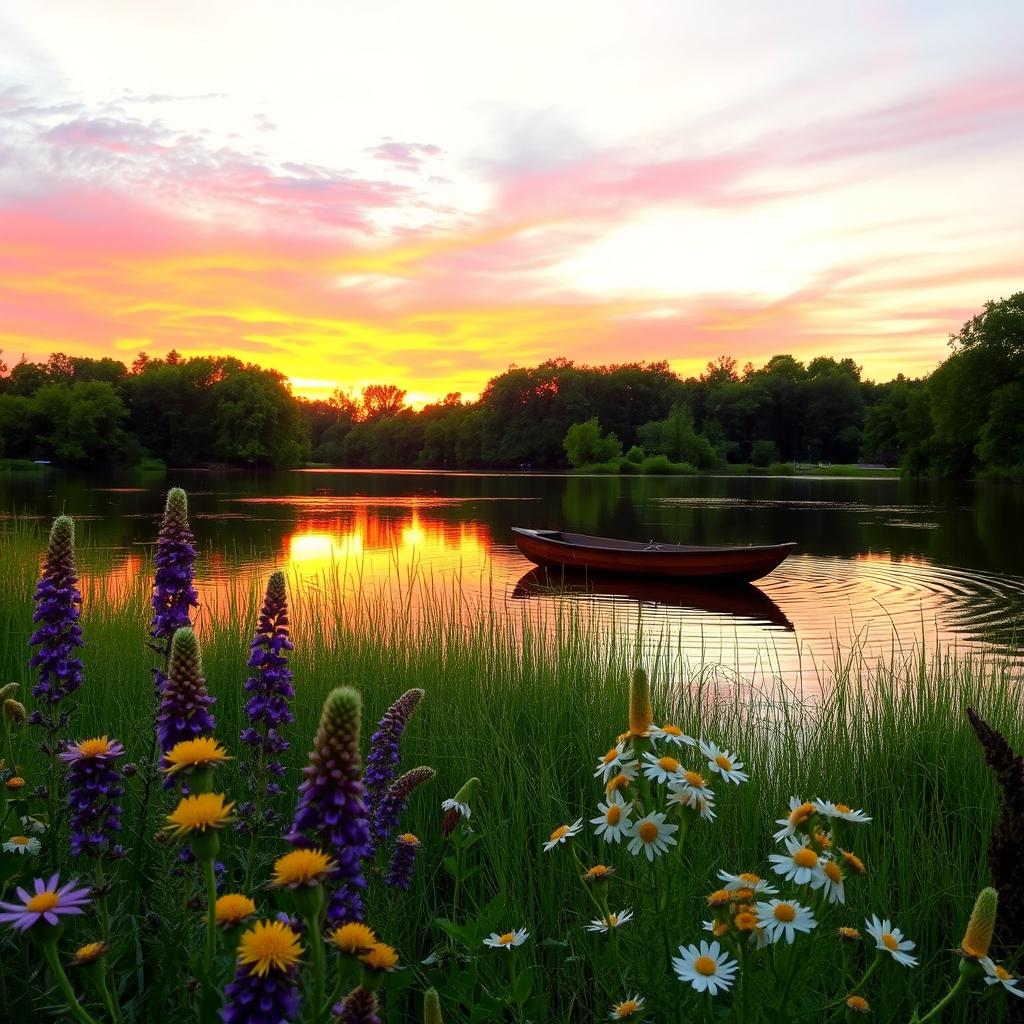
(525, 707)
(964, 419)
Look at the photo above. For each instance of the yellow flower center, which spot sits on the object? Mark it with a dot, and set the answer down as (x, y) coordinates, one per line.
(90, 952)
(43, 901)
(842, 809)
(19, 840)
(669, 764)
(695, 779)
(507, 939)
(559, 833)
(617, 782)
(94, 747)
(723, 762)
(719, 898)
(853, 862)
(232, 907)
(822, 839)
(749, 878)
(833, 872)
(742, 895)
(409, 839)
(890, 943)
(15, 782)
(705, 965)
(598, 871)
(784, 912)
(612, 920)
(720, 929)
(626, 1008)
(354, 937)
(269, 945)
(850, 934)
(647, 831)
(198, 813)
(800, 814)
(745, 922)
(1002, 973)
(613, 815)
(611, 755)
(805, 858)
(672, 730)
(193, 753)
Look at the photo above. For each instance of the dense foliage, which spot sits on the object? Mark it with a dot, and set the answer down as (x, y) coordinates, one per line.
(964, 419)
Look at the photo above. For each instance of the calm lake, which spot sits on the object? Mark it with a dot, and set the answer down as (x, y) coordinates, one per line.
(879, 562)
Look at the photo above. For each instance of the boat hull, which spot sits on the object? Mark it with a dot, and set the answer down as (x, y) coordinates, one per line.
(559, 550)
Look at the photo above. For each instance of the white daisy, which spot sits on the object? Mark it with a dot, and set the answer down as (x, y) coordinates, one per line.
(509, 940)
(832, 879)
(692, 785)
(754, 883)
(830, 810)
(783, 919)
(662, 769)
(717, 928)
(455, 805)
(707, 967)
(799, 813)
(610, 764)
(997, 975)
(672, 734)
(723, 762)
(613, 822)
(627, 1009)
(891, 940)
(652, 835)
(22, 845)
(33, 826)
(562, 833)
(606, 924)
(705, 808)
(799, 864)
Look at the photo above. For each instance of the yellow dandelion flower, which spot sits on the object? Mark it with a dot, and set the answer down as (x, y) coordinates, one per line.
(195, 753)
(848, 934)
(380, 957)
(199, 813)
(15, 782)
(90, 953)
(269, 945)
(719, 898)
(302, 867)
(232, 908)
(853, 862)
(745, 921)
(354, 937)
(858, 1004)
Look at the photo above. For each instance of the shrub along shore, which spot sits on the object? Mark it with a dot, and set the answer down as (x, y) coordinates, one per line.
(527, 707)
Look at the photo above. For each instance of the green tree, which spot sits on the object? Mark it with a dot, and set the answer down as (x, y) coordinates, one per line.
(764, 452)
(584, 445)
(82, 423)
(1001, 442)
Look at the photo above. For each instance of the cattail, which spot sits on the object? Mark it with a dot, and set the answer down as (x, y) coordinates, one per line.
(640, 714)
(184, 701)
(388, 813)
(978, 937)
(432, 1007)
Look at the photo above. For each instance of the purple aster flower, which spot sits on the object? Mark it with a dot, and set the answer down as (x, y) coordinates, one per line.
(94, 788)
(174, 595)
(358, 1007)
(267, 709)
(48, 903)
(384, 754)
(271, 998)
(402, 860)
(388, 812)
(184, 702)
(331, 811)
(58, 631)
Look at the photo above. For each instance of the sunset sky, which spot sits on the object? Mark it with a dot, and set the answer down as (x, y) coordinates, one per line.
(424, 193)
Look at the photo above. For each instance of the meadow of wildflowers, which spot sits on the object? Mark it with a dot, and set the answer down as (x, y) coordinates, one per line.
(201, 822)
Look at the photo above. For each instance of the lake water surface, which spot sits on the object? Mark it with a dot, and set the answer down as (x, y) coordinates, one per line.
(879, 562)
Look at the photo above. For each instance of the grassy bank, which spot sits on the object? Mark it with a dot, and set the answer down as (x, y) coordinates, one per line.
(528, 708)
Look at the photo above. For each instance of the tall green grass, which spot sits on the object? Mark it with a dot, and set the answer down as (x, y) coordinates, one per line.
(528, 705)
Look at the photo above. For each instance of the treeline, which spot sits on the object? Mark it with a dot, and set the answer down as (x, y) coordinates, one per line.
(966, 418)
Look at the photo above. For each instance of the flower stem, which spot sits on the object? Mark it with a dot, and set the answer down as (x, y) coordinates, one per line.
(316, 946)
(209, 873)
(105, 994)
(102, 901)
(76, 1008)
(945, 1001)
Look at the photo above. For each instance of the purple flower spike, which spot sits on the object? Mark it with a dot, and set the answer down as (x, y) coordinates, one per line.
(94, 788)
(58, 630)
(48, 903)
(384, 754)
(184, 703)
(389, 810)
(267, 709)
(358, 1007)
(331, 811)
(271, 998)
(402, 860)
(174, 595)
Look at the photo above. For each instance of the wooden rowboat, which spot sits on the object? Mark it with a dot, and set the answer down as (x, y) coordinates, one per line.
(555, 548)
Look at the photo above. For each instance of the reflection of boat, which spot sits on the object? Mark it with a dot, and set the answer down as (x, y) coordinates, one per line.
(631, 557)
(743, 600)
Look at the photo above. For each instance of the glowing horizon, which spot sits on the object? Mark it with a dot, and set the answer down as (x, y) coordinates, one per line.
(426, 196)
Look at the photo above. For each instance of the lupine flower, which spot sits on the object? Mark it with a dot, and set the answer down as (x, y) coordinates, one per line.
(403, 858)
(707, 967)
(384, 754)
(267, 709)
(22, 845)
(978, 936)
(174, 595)
(388, 813)
(509, 940)
(94, 788)
(58, 630)
(49, 902)
(354, 938)
(891, 940)
(627, 1009)
(265, 987)
(358, 1007)
(331, 811)
(184, 701)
